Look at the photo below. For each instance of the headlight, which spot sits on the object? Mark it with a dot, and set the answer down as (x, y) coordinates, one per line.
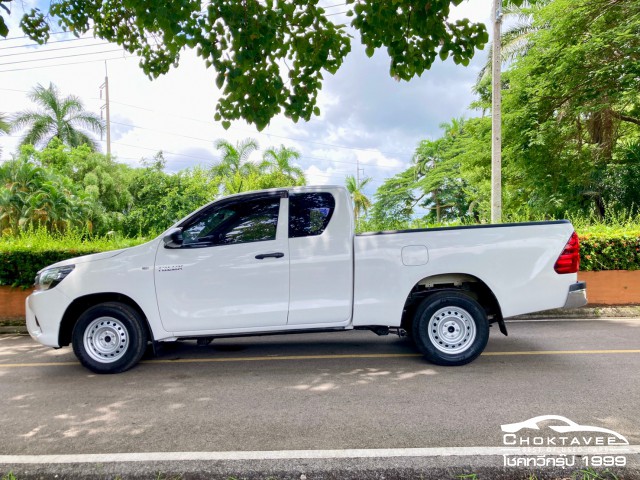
(51, 277)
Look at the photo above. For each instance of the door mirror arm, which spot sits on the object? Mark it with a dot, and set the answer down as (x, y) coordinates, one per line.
(173, 238)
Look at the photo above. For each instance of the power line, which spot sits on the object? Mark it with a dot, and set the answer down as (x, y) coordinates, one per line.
(157, 150)
(62, 56)
(62, 32)
(334, 5)
(27, 45)
(337, 13)
(209, 141)
(183, 154)
(366, 150)
(63, 64)
(53, 49)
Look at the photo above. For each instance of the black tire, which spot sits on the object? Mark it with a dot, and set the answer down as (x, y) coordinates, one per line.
(109, 338)
(450, 328)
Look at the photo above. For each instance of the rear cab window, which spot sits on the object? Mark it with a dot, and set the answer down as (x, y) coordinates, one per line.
(310, 213)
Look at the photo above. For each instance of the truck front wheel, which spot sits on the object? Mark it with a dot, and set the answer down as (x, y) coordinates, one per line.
(450, 328)
(109, 338)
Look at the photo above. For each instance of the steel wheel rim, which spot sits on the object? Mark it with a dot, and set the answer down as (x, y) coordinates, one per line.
(452, 330)
(106, 339)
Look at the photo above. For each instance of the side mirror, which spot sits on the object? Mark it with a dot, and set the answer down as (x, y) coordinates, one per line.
(173, 238)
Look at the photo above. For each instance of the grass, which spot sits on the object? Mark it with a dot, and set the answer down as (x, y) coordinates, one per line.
(582, 474)
(71, 240)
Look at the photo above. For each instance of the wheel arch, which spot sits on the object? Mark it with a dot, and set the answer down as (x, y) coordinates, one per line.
(81, 304)
(458, 282)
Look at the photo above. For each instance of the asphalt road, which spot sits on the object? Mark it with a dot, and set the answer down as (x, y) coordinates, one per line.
(314, 392)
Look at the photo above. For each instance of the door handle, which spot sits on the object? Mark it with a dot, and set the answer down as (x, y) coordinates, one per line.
(262, 256)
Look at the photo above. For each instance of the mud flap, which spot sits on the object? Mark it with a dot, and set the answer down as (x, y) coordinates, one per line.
(502, 326)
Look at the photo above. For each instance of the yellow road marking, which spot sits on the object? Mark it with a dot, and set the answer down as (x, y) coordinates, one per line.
(329, 357)
(559, 352)
(286, 357)
(48, 364)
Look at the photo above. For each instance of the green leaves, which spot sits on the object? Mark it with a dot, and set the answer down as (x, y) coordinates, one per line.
(24, 255)
(4, 29)
(614, 250)
(269, 56)
(34, 24)
(414, 32)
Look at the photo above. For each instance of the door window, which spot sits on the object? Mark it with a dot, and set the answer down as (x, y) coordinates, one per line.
(309, 213)
(232, 223)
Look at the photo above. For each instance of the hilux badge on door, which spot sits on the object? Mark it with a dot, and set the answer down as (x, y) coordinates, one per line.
(169, 268)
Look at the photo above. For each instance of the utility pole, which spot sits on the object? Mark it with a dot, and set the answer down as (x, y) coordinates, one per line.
(496, 117)
(105, 107)
(358, 170)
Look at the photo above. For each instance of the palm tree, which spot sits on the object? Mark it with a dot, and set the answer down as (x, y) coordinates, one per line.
(20, 179)
(63, 118)
(5, 126)
(361, 203)
(278, 161)
(235, 158)
(515, 40)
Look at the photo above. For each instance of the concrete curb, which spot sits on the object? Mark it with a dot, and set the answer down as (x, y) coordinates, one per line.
(440, 468)
(13, 329)
(604, 311)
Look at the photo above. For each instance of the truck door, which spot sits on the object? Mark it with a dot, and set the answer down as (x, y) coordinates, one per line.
(320, 259)
(232, 269)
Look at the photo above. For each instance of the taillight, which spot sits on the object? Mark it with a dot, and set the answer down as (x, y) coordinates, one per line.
(569, 259)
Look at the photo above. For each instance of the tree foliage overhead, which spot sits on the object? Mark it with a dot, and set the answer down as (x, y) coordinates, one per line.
(269, 55)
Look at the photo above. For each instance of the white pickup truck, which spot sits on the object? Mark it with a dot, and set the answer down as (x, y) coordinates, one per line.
(286, 261)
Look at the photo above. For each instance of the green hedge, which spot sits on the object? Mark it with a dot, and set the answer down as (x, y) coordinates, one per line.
(20, 259)
(18, 266)
(609, 251)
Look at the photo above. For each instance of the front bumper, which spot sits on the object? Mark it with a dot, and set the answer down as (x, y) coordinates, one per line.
(577, 296)
(44, 312)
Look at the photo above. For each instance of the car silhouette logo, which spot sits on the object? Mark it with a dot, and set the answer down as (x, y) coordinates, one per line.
(569, 427)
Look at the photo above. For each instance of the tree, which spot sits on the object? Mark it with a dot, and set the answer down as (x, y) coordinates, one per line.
(277, 163)
(572, 106)
(448, 176)
(5, 126)
(62, 118)
(160, 199)
(361, 202)
(235, 158)
(395, 201)
(100, 176)
(32, 195)
(515, 41)
(270, 56)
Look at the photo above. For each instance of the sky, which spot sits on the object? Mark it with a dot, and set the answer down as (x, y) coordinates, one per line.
(367, 118)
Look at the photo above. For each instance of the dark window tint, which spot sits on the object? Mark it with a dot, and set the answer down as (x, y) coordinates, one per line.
(242, 222)
(309, 213)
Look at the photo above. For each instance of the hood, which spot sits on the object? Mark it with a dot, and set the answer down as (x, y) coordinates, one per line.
(86, 258)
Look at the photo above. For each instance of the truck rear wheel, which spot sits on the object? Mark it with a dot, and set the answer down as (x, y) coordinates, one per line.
(450, 328)
(109, 338)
